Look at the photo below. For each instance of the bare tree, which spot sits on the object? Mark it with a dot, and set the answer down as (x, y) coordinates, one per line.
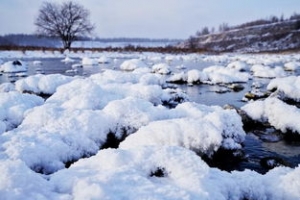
(224, 27)
(67, 21)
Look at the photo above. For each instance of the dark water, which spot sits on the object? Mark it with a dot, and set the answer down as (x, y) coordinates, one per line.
(254, 148)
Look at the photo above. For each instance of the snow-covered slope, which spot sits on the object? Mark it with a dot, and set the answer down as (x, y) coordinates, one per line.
(269, 37)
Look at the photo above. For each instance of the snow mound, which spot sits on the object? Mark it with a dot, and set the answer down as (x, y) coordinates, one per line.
(132, 64)
(220, 74)
(287, 87)
(14, 105)
(161, 68)
(67, 59)
(37, 62)
(50, 136)
(291, 66)
(17, 181)
(42, 84)
(181, 171)
(104, 60)
(238, 65)
(191, 76)
(13, 66)
(168, 173)
(87, 94)
(195, 75)
(77, 119)
(200, 128)
(7, 87)
(282, 116)
(86, 61)
(263, 71)
(178, 77)
(211, 75)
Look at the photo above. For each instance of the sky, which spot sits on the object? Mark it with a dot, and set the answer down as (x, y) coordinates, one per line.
(174, 19)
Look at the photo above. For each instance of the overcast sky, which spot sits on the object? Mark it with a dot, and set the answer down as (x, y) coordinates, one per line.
(150, 18)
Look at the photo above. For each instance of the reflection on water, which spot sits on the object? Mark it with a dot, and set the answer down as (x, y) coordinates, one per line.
(206, 94)
(282, 148)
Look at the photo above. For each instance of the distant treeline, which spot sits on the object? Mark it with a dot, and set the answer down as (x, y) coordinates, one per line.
(30, 40)
(129, 40)
(129, 48)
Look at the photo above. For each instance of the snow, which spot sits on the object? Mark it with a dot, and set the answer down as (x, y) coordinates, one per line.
(104, 60)
(282, 116)
(87, 61)
(197, 127)
(267, 72)
(287, 87)
(7, 87)
(161, 68)
(68, 60)
(53, 148)
(238, 65)
(291, 66)
(68, 125)
(109, 175)
(45, 84)
(37, 62)
(220, 74)
(18, 182)
(13, 66)
(14, 105)
(211, 75)
(132, 64)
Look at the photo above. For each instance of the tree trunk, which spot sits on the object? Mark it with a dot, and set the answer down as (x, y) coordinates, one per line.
(66, 43)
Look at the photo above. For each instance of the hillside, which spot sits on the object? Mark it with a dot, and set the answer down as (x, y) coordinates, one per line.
(277, 36)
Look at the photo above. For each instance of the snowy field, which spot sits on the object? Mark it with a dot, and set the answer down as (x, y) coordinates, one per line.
(129, 130)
